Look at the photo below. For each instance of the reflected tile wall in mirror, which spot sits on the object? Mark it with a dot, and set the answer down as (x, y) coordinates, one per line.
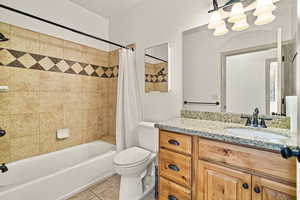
(156, 68)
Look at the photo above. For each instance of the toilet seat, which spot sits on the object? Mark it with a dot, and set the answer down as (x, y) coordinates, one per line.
(132, 157)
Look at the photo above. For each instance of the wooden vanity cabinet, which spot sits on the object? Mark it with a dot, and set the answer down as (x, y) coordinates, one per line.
(193, 168)
(217, 182)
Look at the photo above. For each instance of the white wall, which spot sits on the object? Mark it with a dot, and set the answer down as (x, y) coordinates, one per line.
(60, 11)
(156, 22)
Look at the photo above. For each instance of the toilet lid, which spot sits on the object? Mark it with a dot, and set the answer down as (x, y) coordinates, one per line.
(132, 156)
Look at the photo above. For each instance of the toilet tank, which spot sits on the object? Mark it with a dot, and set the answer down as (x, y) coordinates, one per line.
(148, 136)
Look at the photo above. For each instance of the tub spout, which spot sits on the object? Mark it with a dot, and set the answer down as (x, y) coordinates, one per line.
(3, 168)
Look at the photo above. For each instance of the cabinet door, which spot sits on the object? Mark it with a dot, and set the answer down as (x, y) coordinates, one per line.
(264, 189)
(217, 182)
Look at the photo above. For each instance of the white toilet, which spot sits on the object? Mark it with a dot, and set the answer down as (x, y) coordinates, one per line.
(132, 163)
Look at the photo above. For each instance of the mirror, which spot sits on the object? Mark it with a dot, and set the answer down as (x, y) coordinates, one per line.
(242, 70)
(251, 78)
(156, 68)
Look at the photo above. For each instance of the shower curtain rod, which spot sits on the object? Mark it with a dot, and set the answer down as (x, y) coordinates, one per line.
(62, 26)
(148, 55)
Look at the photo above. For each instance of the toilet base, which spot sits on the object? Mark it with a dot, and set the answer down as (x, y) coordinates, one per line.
(131, 188)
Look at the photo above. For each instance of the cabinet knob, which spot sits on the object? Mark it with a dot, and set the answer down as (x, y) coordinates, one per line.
(245, 186)
(174, 142)
(172, 197)
(257, 190)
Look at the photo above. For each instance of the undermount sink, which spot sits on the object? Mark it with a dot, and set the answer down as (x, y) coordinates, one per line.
(256, 133)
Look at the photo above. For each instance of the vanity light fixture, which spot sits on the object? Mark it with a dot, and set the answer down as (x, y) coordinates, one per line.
(235, 10)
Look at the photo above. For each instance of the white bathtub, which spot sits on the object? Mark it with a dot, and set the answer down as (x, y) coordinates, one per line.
(58, 175)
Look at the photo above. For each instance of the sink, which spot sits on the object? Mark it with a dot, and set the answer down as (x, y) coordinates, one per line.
(256, 133)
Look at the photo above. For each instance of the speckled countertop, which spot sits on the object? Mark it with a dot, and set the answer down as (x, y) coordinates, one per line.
(218, 131)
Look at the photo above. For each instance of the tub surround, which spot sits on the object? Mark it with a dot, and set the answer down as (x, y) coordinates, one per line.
(216, 130)
(53, 84)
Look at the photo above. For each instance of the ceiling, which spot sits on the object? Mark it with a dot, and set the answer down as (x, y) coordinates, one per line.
(108, 8)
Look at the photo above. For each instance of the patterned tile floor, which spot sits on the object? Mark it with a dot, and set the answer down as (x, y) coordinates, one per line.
(106, 190)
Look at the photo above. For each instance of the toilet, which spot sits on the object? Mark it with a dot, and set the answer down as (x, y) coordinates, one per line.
(132, 163)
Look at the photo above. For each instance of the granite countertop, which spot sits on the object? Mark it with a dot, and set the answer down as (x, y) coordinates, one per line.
(217, 130)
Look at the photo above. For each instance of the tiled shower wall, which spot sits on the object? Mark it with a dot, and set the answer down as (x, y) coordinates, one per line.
(53, 84)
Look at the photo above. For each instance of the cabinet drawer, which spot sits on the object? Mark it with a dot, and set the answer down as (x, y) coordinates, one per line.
(172, 191)
(176, 142)
(260, 161)
(176, 167)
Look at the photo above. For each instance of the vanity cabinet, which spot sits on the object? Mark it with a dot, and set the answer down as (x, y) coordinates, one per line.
(194, 168)
(218, 182)
(265, 189)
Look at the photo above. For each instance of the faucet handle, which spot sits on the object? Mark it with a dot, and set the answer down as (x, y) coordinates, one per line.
(248, 122)
(263, 123)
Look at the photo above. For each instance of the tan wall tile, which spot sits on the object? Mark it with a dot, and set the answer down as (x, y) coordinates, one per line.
(24, 40)
(73, 119)
(90, 100)
(24, 125)
(73, 51)
(51, 82)
(23, 80)
(51, 46)
(24, 102)
(72, 101)
(5, 102)
(72, 83)
(51, 101)
(49, 124)
(89, 118)
(102, 58)
(5, 76)
(24, 147)
(90, 55)
(114, 58)
(89, 84)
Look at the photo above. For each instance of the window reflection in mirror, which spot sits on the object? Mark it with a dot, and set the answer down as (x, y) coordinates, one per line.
(156, 68)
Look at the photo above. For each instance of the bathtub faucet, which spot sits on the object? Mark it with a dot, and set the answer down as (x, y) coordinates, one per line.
(3, 168)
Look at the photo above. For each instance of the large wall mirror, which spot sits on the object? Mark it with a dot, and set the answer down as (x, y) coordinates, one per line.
(240, 71)
(156, 68)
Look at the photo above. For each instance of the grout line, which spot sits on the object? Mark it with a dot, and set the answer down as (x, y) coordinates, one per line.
(100, 198)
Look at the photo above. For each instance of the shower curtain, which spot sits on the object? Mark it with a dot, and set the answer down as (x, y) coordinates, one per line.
(128, 101)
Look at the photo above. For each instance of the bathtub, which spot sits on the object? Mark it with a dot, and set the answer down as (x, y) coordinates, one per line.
(58, 175)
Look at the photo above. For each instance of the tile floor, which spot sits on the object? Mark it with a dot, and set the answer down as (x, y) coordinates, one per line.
(106, 190)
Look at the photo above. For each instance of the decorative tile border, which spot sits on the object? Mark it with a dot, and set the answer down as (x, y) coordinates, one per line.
(276, 122)
(150, 78)
(20, 59)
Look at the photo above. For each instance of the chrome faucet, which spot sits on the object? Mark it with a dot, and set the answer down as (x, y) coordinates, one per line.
(254, 120)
